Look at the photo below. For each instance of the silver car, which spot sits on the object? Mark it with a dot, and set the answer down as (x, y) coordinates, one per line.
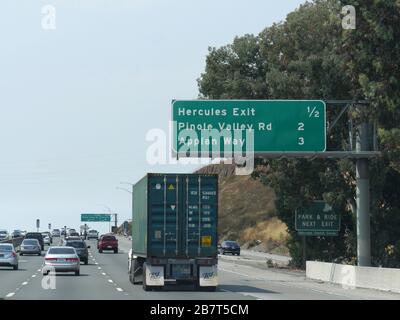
(30, 246)
(93, 234)
(8, 256)
(61, 259)
(4, 235)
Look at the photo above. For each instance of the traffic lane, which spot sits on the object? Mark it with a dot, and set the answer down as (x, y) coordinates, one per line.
(243, 280)
(290, 284)
(13, 280)
(115, 267)
(90, 285)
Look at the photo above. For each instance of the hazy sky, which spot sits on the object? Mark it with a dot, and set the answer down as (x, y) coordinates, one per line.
(76, 102)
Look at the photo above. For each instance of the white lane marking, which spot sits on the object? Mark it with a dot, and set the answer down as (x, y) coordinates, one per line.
(10, 295)
(284, 284)
(103, 273)
(119, 289)
(110, 281)
(25, 283)
(238, 273)
(99, 268)
(39, 270)
(96, 263)
(34, 276)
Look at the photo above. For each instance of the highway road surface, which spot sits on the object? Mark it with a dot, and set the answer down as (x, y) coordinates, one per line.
(240, 278)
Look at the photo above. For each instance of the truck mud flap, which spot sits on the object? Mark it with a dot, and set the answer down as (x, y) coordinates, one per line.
(208, 276)
(154, 275)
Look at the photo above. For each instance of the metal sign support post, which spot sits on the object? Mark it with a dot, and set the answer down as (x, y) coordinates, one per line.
(304, 252)
(363, 199)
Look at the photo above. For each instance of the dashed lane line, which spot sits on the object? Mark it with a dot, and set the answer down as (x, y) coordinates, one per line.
(10, 295)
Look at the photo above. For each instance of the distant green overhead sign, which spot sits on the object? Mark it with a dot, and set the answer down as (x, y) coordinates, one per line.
(317, 220)
(95, 217)
(276, 125)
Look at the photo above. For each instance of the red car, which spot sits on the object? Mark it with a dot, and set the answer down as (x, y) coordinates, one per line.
(107, 242)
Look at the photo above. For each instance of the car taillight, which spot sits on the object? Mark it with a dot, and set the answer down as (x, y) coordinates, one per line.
(51, 259)
(72, 259)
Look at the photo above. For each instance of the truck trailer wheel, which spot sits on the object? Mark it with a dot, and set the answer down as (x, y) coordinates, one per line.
(135, 271)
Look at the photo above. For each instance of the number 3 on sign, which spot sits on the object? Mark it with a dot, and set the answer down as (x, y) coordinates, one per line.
(301, 141)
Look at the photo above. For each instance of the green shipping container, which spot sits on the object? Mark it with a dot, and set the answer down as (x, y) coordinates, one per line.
(175, 216)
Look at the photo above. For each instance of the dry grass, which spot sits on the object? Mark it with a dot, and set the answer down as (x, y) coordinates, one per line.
(272, 230)
(247, 210)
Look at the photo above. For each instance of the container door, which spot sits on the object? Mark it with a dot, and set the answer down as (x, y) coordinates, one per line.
(199, 216)
(164, 215)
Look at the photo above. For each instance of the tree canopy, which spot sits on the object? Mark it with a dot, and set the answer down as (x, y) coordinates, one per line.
(311, 56)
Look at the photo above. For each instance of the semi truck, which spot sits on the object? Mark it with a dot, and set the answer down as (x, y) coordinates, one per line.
(174, 232)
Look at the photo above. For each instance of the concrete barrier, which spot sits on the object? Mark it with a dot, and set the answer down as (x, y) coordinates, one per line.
(15, 241)
(351, 277)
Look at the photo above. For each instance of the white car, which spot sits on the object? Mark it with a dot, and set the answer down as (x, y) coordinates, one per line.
(46, 240)
(61, 259)
(92, 234)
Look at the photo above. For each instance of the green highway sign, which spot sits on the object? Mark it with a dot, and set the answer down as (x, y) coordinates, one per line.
(259, 126)
(317, 220)
(95, 217)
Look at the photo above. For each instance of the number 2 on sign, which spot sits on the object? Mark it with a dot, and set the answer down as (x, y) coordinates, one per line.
(301, 141)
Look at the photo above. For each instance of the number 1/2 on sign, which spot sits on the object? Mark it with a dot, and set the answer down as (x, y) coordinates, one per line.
(313, 112)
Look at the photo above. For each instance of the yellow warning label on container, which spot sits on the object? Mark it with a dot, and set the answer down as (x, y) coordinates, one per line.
(206, 241)
(171, 187)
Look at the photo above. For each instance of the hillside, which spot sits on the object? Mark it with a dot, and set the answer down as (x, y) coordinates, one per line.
(247, 211)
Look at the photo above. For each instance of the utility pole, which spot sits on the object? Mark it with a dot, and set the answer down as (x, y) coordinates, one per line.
(363, 143)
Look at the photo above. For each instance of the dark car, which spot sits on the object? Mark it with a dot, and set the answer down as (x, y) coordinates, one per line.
(16, 234)
(107, 242)
(230, 247)
(36, 235)
(81, 249)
